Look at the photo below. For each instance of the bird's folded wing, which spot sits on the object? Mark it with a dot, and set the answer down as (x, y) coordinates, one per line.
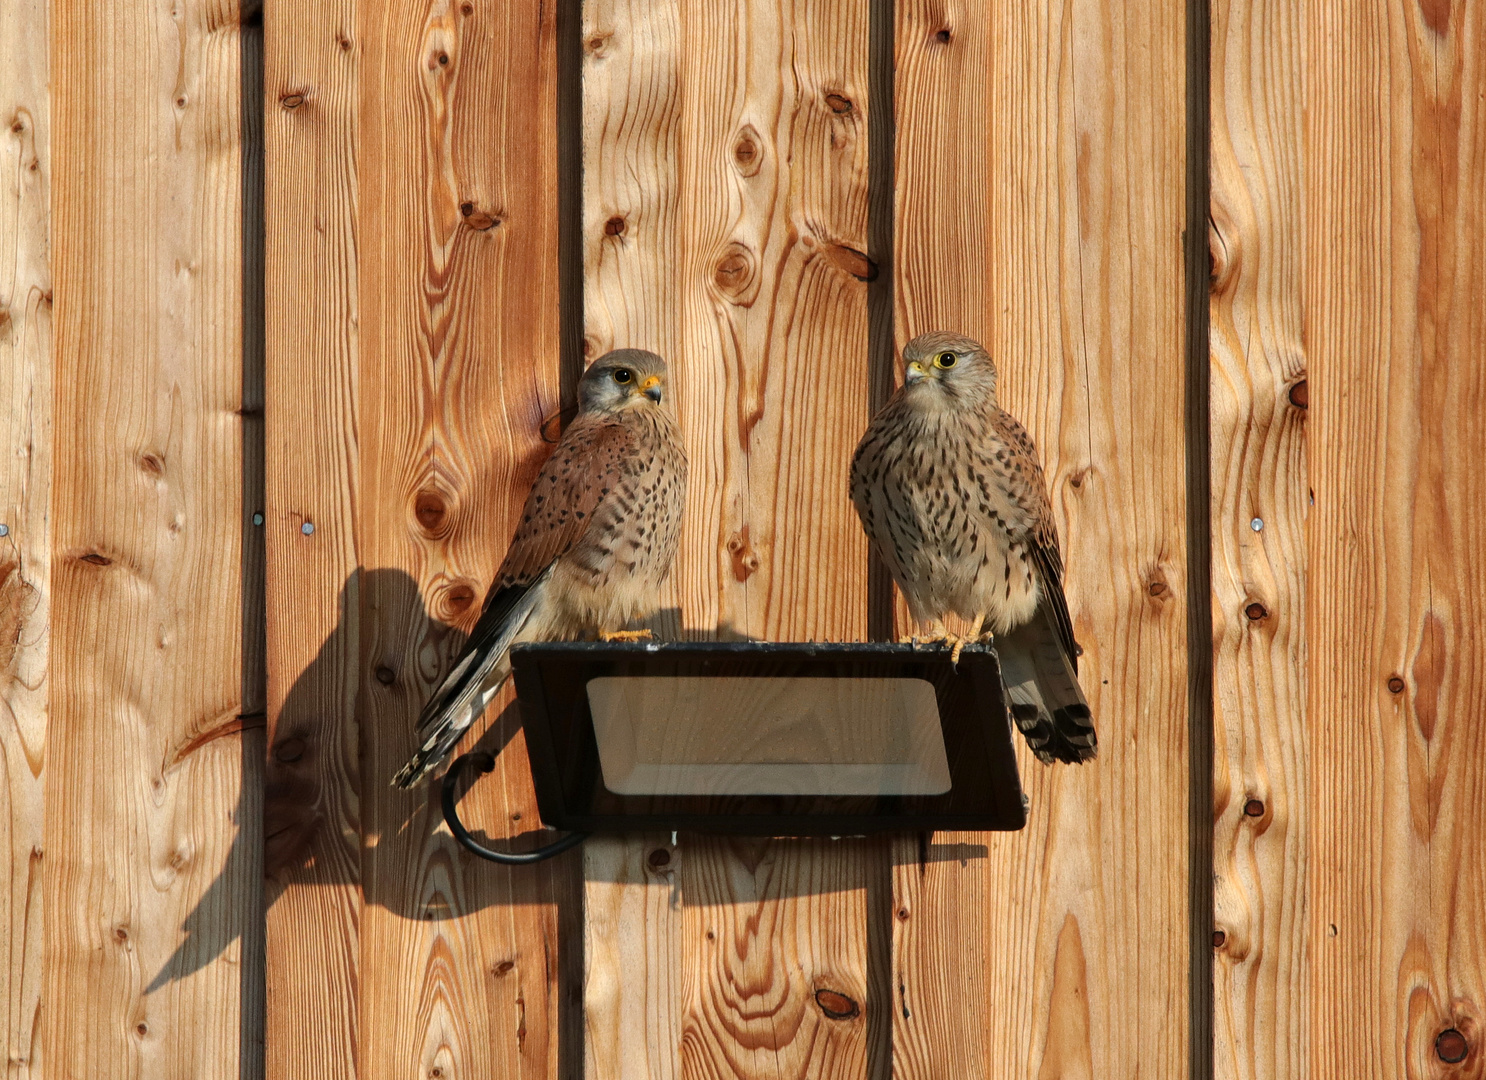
(583, 472)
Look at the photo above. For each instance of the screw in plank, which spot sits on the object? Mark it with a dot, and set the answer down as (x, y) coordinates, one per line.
(4, 530)
(258, 518)
(1257, 524)
(307, 528)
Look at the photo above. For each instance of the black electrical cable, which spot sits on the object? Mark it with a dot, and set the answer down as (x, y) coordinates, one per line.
(483, 761)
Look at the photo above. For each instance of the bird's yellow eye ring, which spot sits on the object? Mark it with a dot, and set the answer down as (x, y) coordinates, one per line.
(624, 375)
(946, 360)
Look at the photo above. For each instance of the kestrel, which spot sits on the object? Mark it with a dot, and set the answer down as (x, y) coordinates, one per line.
(596, 540)
(950, 491)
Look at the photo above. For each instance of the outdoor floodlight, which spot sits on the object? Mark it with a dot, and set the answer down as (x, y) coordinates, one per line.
(761, 739)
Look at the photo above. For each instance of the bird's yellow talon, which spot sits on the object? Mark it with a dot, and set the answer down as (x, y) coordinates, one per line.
(626, 635)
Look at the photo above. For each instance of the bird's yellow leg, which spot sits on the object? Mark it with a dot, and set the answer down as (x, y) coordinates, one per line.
(939, 635)
(625, 635)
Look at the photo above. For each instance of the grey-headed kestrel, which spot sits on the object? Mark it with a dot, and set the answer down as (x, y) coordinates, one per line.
(596, 540)
(950, 491)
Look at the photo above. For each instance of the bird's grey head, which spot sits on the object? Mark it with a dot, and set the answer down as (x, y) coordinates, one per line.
(949, 370)
(622, 379)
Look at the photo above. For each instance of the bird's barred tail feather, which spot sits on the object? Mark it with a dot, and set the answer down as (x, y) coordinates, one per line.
(481, 669)
(1042, 689)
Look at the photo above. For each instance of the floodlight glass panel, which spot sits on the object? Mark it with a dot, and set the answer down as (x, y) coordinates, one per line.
(760, 735)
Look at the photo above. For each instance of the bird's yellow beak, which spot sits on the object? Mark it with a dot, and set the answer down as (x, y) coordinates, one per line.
(651, 388)
(915, 372)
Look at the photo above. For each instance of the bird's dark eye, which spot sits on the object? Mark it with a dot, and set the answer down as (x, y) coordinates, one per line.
(947, 359)
(623, 375)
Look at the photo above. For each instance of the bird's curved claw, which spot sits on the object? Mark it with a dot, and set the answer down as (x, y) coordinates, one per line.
(625, 635)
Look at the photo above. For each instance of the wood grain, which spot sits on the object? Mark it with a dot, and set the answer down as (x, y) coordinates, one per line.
(1395, 151)
(458, 364)
(632, 958)
(774, 947)
(313, 603)
(725, 226)
(26, 388)
(1258, 400)
(1076, 176)
(151, 863)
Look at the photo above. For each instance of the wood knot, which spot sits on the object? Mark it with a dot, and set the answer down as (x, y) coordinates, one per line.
(466, 9)
(734, 273)
(504, 968)
(836, 1005)
(852, 261)
(552, 426)
(290, 750)
(141, 1029)
(596, 43)
(430, 510)
(748, 155)
(1300, 395)
(839, 104)
(151, 464)
(97, 559)
(1253, 808)
(292, 100)
(1451, 1047)
(1256, 612)
(615, 226)
(659, 858)
(1219, 938)
(902, 914)
(943, 35)
(477, 219)
(1396, 685)
(385, 675)
(457, 599)
(745, 562)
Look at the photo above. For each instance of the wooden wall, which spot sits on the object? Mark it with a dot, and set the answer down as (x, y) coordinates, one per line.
(285, 296)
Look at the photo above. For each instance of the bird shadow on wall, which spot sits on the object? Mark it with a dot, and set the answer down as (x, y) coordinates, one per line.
(331, 820)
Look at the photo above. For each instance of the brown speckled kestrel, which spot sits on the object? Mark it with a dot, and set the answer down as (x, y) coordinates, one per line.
(596, 540)
(950, 491)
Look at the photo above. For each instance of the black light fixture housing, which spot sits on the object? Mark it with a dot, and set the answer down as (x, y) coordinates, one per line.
(762, 739)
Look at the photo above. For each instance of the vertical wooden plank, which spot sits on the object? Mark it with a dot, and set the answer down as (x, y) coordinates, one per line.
(25, 474)
(458, 364)
(632, 958)
(312, 816)
(1396, 757)
(726, 185)
(1080, 966)
(1258, 401)
(151, 868)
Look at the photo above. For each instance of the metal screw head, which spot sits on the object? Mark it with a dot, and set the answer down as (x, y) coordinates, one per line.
(257, 519)
(4, 530)
(1257, 524)
(307, 528)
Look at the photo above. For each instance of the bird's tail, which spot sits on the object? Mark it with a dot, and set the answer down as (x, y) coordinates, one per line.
(1042, 689)
(479, 673)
